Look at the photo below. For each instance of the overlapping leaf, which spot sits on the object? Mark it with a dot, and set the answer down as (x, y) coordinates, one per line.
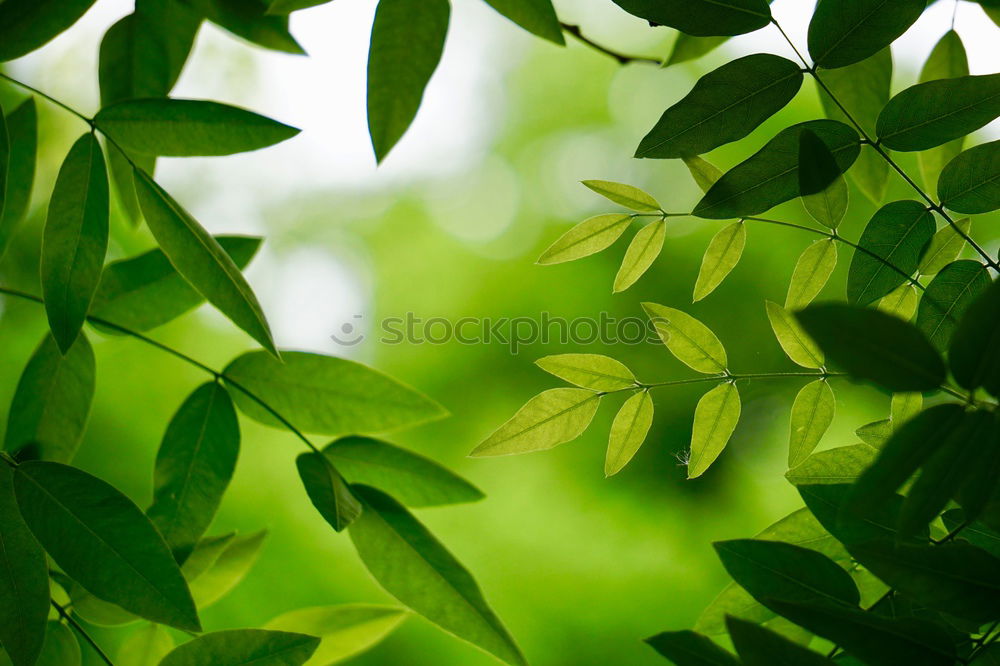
(843, 32)
(702, 18)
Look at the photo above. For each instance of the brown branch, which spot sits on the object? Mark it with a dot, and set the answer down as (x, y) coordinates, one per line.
(622, 58)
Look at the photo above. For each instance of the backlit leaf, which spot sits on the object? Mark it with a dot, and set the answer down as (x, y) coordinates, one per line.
(344, 631)
(702, 18)
(811, 273)
(840, 465)
(689, 340)
(234, 559)
(26, 25)
(758, 646)
(60, 648)
(904, 406)
(536, 16)
(686, 648)
(705, 173)
(973, 354)
(590, 371)
(944, 247)
(589, 237)
(901, 302)
(821, 185)
(641, 253)
(244, 646)
(327, 490)
(628, 431)
(795, 342)
(946, 61)
(22, 135)
(688, 47)
(551, 418)
(145, 646)
(947, 298)
(843, 32)
(721, 256)
(624, 195)
(715, 419)
(812, 414)
(970, 183)
(876, 433)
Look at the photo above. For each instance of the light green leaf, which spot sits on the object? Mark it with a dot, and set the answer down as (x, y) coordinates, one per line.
(75, 239)
(201, 261)
(688, 47)
(589, 237)
(723, 253)
(227, 570)
(840, 465)
(715, 419)
(812, 414)
(22, 135)
(551, 418)
(237, 647)
(344, 631)
(416, 569)
(901, 302)
(96, 611)
(248, 19)
(970, 183)
(821, 185)
(406, 44)
(947, 297)
(628, 431)
(705, 173)
(876, 433)
(843, 32)
(795, 342)
(103, 541)
(811, 273)
(829, 206)
(725, 105)
(589, 371)
(689, 340)
(26, 25)
(48, 413)
(759, 646)
(904, 406)
(702, 18)
(946, 61)
(145, 646)
(327, 490)
(60, 648)
(944, 247)
(624, 195)
(206, 554)
(641, 253)
(325, 394)
(686, 648)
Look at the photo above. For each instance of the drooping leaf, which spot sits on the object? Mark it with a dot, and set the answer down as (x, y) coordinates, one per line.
(970, 183)
(628, 431)
(715, 419)
(812, 414)
(624, 195)
(795, 342)
(688, 47)
(590, 371)
(904, 406)
(945, 246)
(875, 346)
(48, 413)
(249, 20)
(589, 237)
(234, 556)
(811, 273)
(325, 394)
(195, 462)
(327, 490)
(702, 18)
(551, 418)
(721, 256)
(897, 234)
(411, 478)
(946, 61)
(22, 137)
(947, 298)
(26, 25)
(103, 541)
(201, 260)
(145, 646)
(901, 302)
(641, 253)
(344, 631)
(75, 239)
(122, 173)
(536, 16)
(758, 646)
(840, 465)
(843, 32)
(933, 113)
(686, 648)
(704, 173)
(821, 185)
(236, 647)
(770, 176)
(415, 568)
(689, 340)
(406, 44)
(973, 355)
(206, 554)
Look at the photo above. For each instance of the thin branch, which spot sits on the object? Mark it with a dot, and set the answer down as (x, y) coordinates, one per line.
(47, 97)
(621, 58)
(83, 632)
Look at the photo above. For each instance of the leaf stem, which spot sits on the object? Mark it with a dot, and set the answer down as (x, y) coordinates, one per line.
(83, 632)
(48, 98)
(621, 58)
(731, 376)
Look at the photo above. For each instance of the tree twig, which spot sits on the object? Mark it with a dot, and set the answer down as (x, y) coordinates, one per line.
(623, 59)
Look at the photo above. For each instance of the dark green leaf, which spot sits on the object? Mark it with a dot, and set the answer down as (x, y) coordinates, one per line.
(770, 176)
(61, 647)
(238, 647)
(248, 19)
(838, 465)
(758, 646)
(946, 61)
(407, 41)
(283, 7)
(22, 135)
(970, 183)
(26, 25)
(975, 532)
(103, 541)
(930, 114)
(326, 394)
(48, 413)
(947, 297)
(145, 646)
(327, 490)
(229, 559)
(688, 47)
(123, 178)
(974, 355)
(549, 419)
(416, 569)
(686, 648)
(725, 105)
(843, 32)
(991, 655)
(536, 16)
(821, 185)
(344, 631)
(857, 526)
(413, 479)
(898, 233)
(702, 18)
(4, 159)
(193, 467)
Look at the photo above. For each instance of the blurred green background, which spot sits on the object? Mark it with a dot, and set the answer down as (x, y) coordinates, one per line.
(579, 567)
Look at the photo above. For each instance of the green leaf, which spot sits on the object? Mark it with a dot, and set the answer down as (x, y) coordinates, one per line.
(973, 354)
(589, 371)
(991, 655)
(946, 61)
(406, 44)
(26, 25)
(933, 113)
(702, 18)
(4, 159)
(891, 246)
(843, 32)
(248, 19)
(970, 183)
(975, 533)
(145, 291)
(48, 413)
(793, 340)
(721, 256)
(60, 648)
(724, 106)
(812, 414)
(689, 340)
(284, 7)
(344, 631)
(901, 302)
(417, 570)
(686, 648)
(325, 394)
(687, 47)
(770, 176)
(103, 541)
(549, 419)
(201, 260)
(536, 16)
(628, 431)
(624, 195)
(195, 462)
(715, 419)
(589, 237)
(705, 173)
(758, 646)
(244, 646)
(75, 239)
(876, 433)
(947, 298)
(944, 247)
(904, 406)
(188, 127)
(641, 253)
(875, 346)
(96, 611)
(22, 134)
(821, 185)
(24, 581)
(234, 556)
(826, 502)
(123, 177)
(415, 480)
(327, 490)
(145, 646)
(840, 465)
(812, 272)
